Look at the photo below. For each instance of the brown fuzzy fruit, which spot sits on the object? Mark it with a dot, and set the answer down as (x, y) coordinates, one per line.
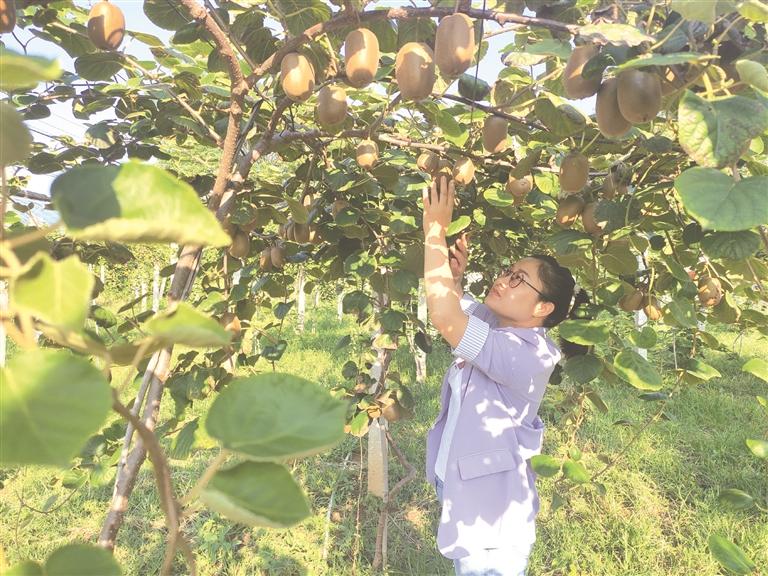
(495, 134)
(338, 206)
(609, 119)
(710, 291)
(265, 260)
(574, 172)
(612, 188)
(106, 25)
(568, 211)
(231, 323)
(428, 162)
(639, 95)
(633, 301)
(576, 86)
(301, 233)
(367, 154)
(297, 76)
(415, 71)
(331, 105)
(241, 245)
(519, 187)
(591, 225)
(361, 57)
(652, 309)
(454, 44)
(444, 168)
(464, 171)
(277, 255)
(7, 15)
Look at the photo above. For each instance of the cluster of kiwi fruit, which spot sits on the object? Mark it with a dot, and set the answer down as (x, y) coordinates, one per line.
(631, 97)
(710, 293)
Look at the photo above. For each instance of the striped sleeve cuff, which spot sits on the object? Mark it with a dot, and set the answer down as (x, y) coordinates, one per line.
(473, 340)
(468, 304)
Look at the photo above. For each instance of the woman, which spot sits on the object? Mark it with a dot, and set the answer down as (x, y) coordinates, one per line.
(488, 428)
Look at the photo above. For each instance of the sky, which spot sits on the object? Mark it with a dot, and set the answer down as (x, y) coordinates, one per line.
(61, 121)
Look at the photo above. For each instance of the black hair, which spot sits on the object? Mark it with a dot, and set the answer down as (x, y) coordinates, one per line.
(558, 286)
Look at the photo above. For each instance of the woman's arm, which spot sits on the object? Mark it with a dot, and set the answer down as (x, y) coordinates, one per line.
(442, 290)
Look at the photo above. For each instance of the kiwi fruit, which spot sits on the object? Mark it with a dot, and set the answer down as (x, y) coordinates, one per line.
(444, 168)
(612, 187)
(106, 25)
(415, 71)
(609, 119)
(652, 309)
(710, 291)
(464, 171)
(231, 323)
(454, 44)
(495, 134)
(7, 15)
(241, 245)
(301, 233)
(15, 139)
(265, 260)
(639, 95)
(367, 154)
(574, 172)
(277, 255)
(297, 76)
(576, 86)
(633, 301)
(331, 105)
(591, 225)
(568, 211)
(428, 162)
(519, 187)
(338, 206)
(361, 57)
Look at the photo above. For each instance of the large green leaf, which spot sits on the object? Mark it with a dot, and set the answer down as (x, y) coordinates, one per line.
(706, 10)
(26, 568)
(683, 312)
(729, 555)
(757, 367)
(56, 292)
(23, 72)
(583, 368)
(257, 494)
(736, 499)
(617, 34)
(545, 465)
(636, 370)
(166, 15)
(720, 203)
(302, 14)
(651, 59)
(458, 225)
(50, 404)
(183, 324)
(83, 560)
(99, 65)
(754, 10)
(275, 417)
(701, 369)
(134, 202)
(715, 134)
(758, 447)
(731, 245)
(575, 472)
(585, 332)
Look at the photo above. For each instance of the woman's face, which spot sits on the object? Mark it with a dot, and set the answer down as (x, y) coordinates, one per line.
(515, 295)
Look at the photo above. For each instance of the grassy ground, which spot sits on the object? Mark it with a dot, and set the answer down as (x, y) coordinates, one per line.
(659, 506)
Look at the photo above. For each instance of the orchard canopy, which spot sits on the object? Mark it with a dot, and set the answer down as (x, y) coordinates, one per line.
(263, 142)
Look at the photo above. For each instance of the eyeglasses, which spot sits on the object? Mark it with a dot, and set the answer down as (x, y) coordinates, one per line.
(515, 278)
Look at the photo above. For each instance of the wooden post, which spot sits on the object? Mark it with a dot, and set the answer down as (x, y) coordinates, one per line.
(378, 449)
(640, 318)
(339, 300)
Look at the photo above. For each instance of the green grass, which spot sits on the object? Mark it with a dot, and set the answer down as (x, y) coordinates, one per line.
(654, 517)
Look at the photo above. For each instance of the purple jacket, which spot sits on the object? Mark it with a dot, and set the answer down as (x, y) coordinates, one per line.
(489, 494)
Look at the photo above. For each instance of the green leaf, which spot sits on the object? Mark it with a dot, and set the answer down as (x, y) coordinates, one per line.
(415, 30)
(454, 132)
(757, 367)
(545, 465)
(83, 560)
(715, 134)
(99, 65)
(730, 556)
(15, 138)
(392, 320)
(458, 225)
(584, 368)
(720, 203)
(51, 402)
(645, 338)
(651, 59)
(758, 447)
(585, 332)
(617, 34)
(731, 245)
(257, 494)
(575, 472)
(754, 10)
(636, 370)
(302, 14)
(56, 292)
(183, 324)
(134, 202)
(18, 72)
(165, 14)
(563, 120)
(182, 443)
(276, 416)
(683, 312)
(706, 11)
(26, 568)
(736, 499)
(702, 370)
